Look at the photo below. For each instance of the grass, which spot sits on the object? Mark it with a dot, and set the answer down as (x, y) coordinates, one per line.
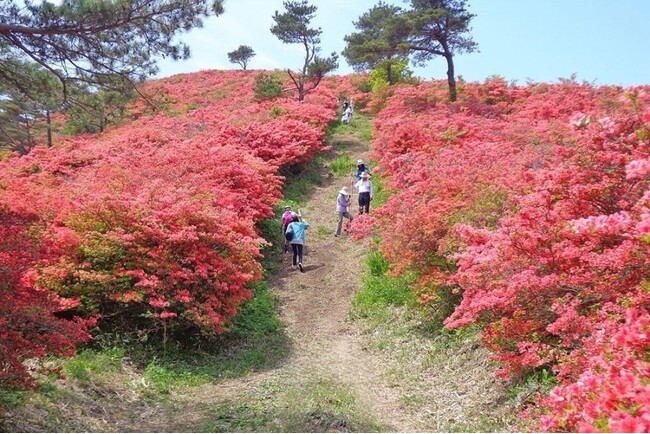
(343, 165)
(312, 405)
(97, 377)
(94, 362)
(381, 292)
(416, 346)
(360, 126)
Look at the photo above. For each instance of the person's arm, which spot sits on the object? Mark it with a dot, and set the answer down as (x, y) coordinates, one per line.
(372, 190)
(358, 184)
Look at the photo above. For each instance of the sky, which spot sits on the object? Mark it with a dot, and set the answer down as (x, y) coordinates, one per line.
(600, 41)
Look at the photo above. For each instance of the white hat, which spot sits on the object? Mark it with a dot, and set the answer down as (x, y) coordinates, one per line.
(359, 162)
(344, 191)
(365, 175)
(287, 207)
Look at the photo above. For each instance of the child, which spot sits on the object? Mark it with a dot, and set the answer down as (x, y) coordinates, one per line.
(287, 218)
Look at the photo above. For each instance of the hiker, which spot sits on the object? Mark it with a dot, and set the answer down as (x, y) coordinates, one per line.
(287, 217)
(343, 202)
(366, 194)
(346, 104)
(347, 115)
(297, 239)
(361, 167)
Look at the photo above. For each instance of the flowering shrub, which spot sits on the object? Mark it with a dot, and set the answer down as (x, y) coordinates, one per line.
(150, 225)
(30, 325)
(532, 203)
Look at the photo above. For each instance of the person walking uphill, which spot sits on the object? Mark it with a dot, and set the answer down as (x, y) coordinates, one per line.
(287, 218)
(366, 194)
(296, 233)
(361, 167)
(343, 202)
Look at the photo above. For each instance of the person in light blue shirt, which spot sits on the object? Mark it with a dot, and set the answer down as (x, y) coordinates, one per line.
(361, 168)
(298, 227)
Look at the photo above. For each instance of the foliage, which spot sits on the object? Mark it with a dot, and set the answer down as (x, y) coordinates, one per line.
(378, 43)
(31, 325)
(149, 227)
(89, 40)
(292, 27)
(88, 111)
(267, 86)
(532, 208)
(439, 28)
(382, 76)
(242, 55)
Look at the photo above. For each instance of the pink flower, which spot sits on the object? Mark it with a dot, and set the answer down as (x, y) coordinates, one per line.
(166, 315)
(638, 168)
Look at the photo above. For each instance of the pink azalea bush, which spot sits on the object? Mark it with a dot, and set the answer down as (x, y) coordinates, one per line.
(152, 224)
(530, 203)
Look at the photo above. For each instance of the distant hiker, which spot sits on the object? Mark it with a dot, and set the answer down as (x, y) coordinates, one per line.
(366, 194)
(297, 228)
(287, 217)
(347, 115)
(361, 167)
(343, 203)
(346, 104)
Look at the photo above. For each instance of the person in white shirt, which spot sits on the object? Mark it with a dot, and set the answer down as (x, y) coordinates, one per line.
(366, 194)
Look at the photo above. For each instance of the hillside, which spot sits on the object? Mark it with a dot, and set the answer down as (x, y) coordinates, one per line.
(502, 269)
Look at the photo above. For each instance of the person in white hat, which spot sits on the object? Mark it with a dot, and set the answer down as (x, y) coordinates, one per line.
(366, 193)
(343, 202)
(361, 167)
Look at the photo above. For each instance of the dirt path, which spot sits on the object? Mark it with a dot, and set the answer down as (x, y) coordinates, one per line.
(330, 365)
(314, 306)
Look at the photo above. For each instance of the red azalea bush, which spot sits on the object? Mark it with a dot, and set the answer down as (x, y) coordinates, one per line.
(29, 325)
(149, 226)
(531, 203)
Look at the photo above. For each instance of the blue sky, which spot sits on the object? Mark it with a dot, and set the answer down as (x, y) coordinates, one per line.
(600, 41)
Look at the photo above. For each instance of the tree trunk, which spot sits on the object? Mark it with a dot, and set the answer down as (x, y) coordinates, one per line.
(450, 76)
(49, 128)
(389, 73)
(301, 90)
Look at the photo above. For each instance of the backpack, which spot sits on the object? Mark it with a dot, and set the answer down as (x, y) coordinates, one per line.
(287, 218)
(288, 235)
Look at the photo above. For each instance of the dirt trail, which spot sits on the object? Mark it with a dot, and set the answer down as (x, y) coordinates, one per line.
(314, 306)
(459, 391)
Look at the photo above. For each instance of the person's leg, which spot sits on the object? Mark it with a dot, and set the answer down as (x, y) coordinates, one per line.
(294, 247)
(364, 202)
(300, 251)
(339, 223)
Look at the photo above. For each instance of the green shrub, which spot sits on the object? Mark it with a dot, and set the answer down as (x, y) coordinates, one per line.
(267, 86)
